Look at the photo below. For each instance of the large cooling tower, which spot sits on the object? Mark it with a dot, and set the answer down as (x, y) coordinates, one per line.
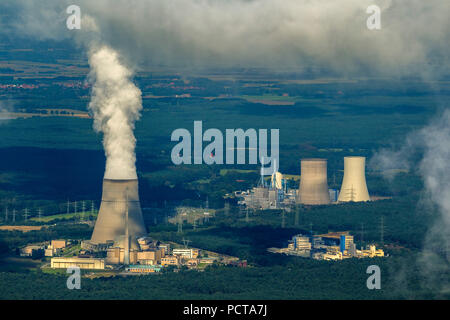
(354, 186)
(110, 224)
(313, 183)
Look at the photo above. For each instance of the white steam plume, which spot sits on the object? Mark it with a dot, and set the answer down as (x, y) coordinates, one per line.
(116, 104)
(434, 167)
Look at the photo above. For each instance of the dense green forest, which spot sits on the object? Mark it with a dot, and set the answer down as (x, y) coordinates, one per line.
(297, 278)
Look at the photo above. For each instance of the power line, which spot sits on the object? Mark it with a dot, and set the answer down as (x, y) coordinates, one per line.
(83, 209)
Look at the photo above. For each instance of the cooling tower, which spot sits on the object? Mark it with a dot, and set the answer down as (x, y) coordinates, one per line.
(354, 186)
(313, 183)
(117, 197)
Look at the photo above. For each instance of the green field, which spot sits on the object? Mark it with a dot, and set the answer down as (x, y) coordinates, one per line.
(66, 216)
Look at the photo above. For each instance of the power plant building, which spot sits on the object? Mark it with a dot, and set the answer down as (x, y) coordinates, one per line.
(354, 187)
(277, 180)
(313, 182)
(82, 263)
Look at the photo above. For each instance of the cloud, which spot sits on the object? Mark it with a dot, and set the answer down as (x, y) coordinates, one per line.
(433, 143)
(6, 107)
(327, 34)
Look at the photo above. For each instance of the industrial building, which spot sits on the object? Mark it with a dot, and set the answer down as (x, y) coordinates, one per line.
(137, 268)
(82, 263)
(185, 253)
(329, 246)
(275, 195)
(313, 183)
(143, 251)
(170, 261)
(354, 187)
(300, 243)
(59, 244)
(29, 250)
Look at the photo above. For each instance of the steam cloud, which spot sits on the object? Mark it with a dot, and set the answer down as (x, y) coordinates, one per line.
(326, 34)
(433, 141)
(116, 104)
(6, 107)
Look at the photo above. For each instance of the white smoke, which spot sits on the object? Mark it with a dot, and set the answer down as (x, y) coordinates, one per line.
(6, 108)
(116, 104)
(433, 141)
(435, 169)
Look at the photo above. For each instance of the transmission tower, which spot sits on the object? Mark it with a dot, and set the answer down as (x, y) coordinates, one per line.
(26, 214)
(226, 208)
(75, 207)
(297, 214)
(180, 225)
(14, 215)
(39, 213)
(92, 210)
(6, 213)
(68, 206)
(186, 242)
(83, 210)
